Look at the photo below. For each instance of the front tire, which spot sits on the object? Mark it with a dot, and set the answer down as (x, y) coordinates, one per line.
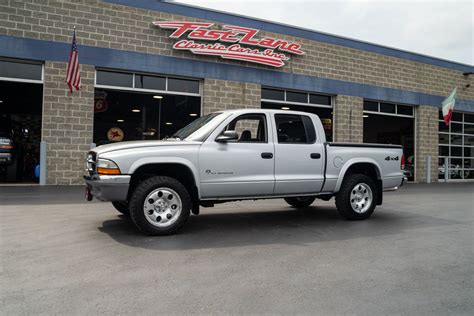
(357, 198)
(160, 206)
(300, 201)
(122, 207)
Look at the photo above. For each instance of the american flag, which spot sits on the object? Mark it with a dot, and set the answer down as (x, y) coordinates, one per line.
(73, 75)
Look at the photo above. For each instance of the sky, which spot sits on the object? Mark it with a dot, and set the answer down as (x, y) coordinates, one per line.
(443, 29)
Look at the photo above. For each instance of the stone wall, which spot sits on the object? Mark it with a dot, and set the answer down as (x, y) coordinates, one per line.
(67, 123)
(348, 119)
(127, 28)
(226, 95)
(426, 125)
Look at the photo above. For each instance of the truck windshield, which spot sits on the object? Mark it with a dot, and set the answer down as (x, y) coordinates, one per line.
(194, 126)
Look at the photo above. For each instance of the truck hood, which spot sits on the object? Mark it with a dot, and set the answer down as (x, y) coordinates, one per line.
(140, 144)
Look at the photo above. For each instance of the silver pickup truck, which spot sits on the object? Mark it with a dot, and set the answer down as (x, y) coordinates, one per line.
(237, 155)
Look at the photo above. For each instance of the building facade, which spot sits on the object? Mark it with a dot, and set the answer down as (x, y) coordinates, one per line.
(149, 68)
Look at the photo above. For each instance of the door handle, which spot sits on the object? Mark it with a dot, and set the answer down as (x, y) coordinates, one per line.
(315, 155)
(267, 155)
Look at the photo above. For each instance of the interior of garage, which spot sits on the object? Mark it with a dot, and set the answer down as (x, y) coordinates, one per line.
(381, 127)
(20, 131)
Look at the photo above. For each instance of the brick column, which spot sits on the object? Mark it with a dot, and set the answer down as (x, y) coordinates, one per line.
(348, 119)
(226, 95)
(426, 125)
(67, 123)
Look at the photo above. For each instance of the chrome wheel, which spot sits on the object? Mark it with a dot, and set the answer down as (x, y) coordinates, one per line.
(361, 198)
(162, 207)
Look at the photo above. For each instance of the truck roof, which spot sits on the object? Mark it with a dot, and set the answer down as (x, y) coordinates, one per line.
(266, 111)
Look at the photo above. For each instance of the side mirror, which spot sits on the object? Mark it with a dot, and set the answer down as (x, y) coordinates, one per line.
(227, 136)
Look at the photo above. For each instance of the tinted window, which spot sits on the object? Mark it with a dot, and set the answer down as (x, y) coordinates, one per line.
(294, 129)
(468, 129)
(469, 118)
(119, 79)
(296, 97)
(442, 127)
(456, 128)
(371, 106)
(319, 99)
(250, 127)
(443, 150)
(387, 107)
(456, 151)
(150, 82)
(457, 117)
(183, 85)
(404, 110)
(469, 140)
(273, 94)
(444, 138)
(20, 70)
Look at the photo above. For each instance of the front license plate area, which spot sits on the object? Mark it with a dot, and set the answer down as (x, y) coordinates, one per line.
(88, 194)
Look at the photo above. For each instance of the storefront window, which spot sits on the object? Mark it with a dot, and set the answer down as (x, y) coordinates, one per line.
(456, 147)
(124, 115)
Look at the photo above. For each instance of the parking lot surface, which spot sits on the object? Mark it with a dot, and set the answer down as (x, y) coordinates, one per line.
(60, 254)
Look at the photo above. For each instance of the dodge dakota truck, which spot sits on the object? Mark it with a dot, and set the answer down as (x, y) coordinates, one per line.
(237, 155)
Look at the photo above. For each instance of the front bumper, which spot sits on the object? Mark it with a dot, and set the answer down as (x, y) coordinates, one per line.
(108, 188)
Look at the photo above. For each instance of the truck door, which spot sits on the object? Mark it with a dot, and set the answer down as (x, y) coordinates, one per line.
(242, 167)
(299, 157)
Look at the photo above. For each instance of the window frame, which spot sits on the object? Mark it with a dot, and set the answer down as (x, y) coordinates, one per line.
(451, 145)
(304, 126)
(389, 113)
(308, 97)
(135, 74)
(247, 142)
(21, 61)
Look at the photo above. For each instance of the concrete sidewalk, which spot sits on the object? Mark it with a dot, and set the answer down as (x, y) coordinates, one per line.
(60, 254)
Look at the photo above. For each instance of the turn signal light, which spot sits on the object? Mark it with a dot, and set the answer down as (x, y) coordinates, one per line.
(6, 147)
(107, 171)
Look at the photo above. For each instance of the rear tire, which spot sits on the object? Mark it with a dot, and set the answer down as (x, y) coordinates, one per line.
(160, 206)
(357, 198)
(300, 201)
(122, 207)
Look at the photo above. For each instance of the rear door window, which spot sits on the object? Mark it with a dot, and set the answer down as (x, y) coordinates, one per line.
(295, 129)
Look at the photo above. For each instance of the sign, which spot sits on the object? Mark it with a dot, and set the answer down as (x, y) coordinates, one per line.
(115, 134)
(100, 102)
(228, 42)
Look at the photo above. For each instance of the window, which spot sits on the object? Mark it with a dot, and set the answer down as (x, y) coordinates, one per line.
(131, 81)
(150, 82)
(388, 108)
(295, 129)
(110, 78)
(319, 99)
(183, 85)
(456, 146)
(251, 128)
(18, 70)
(294, 97)
(272, 94)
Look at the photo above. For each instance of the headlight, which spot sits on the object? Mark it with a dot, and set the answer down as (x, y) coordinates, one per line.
(108, 167)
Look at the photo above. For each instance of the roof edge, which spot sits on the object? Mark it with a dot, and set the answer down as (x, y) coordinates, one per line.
(281, 28)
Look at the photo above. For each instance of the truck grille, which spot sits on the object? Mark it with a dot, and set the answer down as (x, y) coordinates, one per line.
(91, 162)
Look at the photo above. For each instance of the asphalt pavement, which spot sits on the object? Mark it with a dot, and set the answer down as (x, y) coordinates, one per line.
(62, 255)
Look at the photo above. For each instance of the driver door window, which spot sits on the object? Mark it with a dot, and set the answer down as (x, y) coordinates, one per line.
(251, 128)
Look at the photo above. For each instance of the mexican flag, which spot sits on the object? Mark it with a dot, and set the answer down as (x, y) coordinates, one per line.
(448, 107)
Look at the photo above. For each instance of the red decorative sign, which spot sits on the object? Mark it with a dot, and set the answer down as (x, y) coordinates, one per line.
(273, 53)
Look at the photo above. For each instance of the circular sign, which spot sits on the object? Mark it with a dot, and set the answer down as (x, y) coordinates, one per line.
(115, 134)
